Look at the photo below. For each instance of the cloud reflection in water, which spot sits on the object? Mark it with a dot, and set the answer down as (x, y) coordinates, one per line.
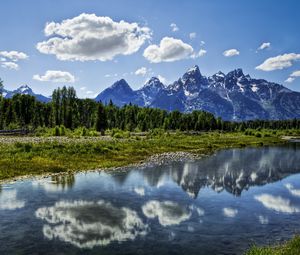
(88, 224)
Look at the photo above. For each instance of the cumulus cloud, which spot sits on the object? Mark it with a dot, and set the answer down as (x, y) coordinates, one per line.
(264, 46)
(192, 35)
(231, 53)
(90, 37)
(167, 212)
(9, 201)
(289, 79)
(55, 76)
(10, 65)
(141, 71)
(88, 224)
(279, 62)
(201, 52)
(169, 50)
(295, 74)
(13, 55)
(230, 212)
(174, 27)
(277, 203)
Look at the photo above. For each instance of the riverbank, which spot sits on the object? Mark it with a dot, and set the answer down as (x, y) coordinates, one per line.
(291, 247)
(30, 156)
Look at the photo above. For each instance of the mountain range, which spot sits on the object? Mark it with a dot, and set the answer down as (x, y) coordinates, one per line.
(25, 90)
(231, 96)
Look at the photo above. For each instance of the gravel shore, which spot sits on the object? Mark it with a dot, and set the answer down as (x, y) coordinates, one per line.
(59, 139)
(154, 160)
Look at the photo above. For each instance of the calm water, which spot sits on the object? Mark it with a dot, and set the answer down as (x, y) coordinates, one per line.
(217, 205)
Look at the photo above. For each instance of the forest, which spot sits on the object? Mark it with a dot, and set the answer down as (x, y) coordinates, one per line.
(66, 109)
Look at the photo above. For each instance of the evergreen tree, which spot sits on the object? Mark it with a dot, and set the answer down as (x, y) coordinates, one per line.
(101, 121)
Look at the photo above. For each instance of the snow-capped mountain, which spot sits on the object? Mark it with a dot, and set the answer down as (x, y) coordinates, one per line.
(232, 96)
(25, 90)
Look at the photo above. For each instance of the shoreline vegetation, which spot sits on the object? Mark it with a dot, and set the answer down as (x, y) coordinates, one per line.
(291, 247)
(45, 154)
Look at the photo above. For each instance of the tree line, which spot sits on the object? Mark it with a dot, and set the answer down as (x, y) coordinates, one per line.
(66, 109)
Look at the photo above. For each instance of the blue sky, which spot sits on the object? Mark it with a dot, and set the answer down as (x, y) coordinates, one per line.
(93, 57)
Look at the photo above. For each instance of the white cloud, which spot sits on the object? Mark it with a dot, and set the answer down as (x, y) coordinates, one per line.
(231, 53)
(2, 59)
(295, 74)
(202, 52)
(277, 203)
(88, 224)
(167, 212)
(230, 212)
(13, 55)
(140, 191)
(89, 92)
(289, 79)
(174, 27)
(55, 76)
(141, 71)
(279, 62)
(10, 65)
(264, 45)
(192, 35)
(90, 37)
(162, 79)
(83, 88)
(292, 190)
(110, 75)
(202, 43)
(9, 201)
(169, 50)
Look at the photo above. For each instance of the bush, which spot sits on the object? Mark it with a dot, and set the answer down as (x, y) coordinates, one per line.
(56, 131)
(258, 134)
(62, 130)
(84, 132)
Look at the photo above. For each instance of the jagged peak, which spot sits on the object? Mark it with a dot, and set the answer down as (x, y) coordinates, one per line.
(153, 81)
(236, 73)
(121, 83)
(194, 69)
(192, 74)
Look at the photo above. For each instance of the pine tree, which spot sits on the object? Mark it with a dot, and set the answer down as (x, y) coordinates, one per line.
(101, 121)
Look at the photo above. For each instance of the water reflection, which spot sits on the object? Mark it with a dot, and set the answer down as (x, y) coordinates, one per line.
(9, 200)
(153, 210)
(230, 170)
(88, 224)
(167, 212)
(57, 183)
(277, 203)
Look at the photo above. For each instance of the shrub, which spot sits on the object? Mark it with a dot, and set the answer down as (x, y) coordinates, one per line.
(56, 131)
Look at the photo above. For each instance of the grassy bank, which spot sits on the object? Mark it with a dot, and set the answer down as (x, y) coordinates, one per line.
(291, 247)
(41, 155)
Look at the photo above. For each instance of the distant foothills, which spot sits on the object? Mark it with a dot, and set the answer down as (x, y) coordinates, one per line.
(233, 96)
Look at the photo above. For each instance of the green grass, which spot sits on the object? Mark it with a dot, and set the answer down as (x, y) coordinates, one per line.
(291, 247)
(74, 154)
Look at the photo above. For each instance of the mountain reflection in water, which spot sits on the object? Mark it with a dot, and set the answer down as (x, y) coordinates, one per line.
(179, 208)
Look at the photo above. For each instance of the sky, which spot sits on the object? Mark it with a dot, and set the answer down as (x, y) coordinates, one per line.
(90, 44)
